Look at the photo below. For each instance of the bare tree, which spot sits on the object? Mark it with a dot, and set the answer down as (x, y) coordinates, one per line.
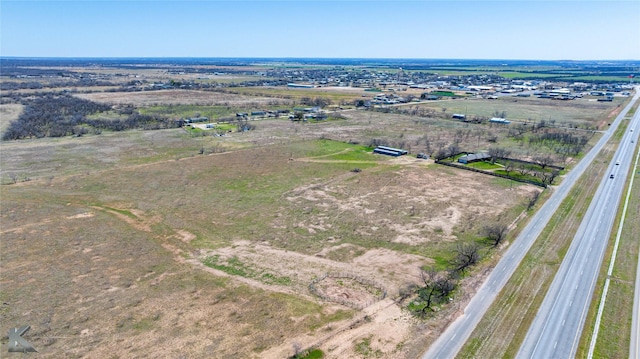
(508, 166)
(498, 152)
(14, 177)
(543, 161)
(554, 174)
(405, 292)
(453, 149)
(495, 233)
(548, 177)
(532, 200)
(437, 288)
(523, 168)
(467, 255)
(501, 114)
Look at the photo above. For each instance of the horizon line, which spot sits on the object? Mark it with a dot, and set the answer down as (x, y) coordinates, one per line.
(310, 58)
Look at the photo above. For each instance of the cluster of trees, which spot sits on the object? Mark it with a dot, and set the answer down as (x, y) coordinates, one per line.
(422, 112)
(375, 142)
(63, 115)
(562, 143)
(318, 101)
(243, 124)
(36, 85)
(523, 168)
(437, 287)
(412, 111)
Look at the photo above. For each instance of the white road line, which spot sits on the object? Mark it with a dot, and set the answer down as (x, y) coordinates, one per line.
(596, 327)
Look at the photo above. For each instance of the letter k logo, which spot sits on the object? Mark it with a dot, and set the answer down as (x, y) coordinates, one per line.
(17, 344)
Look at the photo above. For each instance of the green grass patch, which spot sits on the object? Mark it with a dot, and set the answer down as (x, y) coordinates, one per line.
(443, 93)
(331, 148)
(234, 266)
(311, 354)
(122, 211)
(518, 175)
(363, 348)
(483, 165)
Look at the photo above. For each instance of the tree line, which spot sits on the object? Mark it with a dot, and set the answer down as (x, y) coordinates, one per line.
(64, 115)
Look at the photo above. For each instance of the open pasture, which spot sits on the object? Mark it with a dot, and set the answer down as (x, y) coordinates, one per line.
(138, 238)
(579, 112)
(337, 95)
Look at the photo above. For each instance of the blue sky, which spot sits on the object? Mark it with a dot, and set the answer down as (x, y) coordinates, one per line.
(516, 29)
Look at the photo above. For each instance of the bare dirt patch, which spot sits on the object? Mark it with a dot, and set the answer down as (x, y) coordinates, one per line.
(301, 269)
(348, 289)
(432, 203)
(185, 236)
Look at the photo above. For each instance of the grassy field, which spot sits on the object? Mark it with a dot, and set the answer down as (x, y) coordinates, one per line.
(336, 96)
(579, 112)
(145, 223)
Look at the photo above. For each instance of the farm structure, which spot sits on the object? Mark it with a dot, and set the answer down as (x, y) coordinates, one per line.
(474, 157)
(196, 120)
(499, 120)
(390, 151)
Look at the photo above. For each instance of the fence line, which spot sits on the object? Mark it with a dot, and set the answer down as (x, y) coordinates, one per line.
(353, 304)
(451, 164)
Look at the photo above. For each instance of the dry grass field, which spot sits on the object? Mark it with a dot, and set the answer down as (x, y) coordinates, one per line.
(107, 262)
(169, 244)
(580, 112)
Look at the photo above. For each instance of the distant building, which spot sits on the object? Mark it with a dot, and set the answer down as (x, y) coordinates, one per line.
(390, 151)
(499, 120)
(480, 88)
(474, 157)
(294, 85)
(196, 119)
